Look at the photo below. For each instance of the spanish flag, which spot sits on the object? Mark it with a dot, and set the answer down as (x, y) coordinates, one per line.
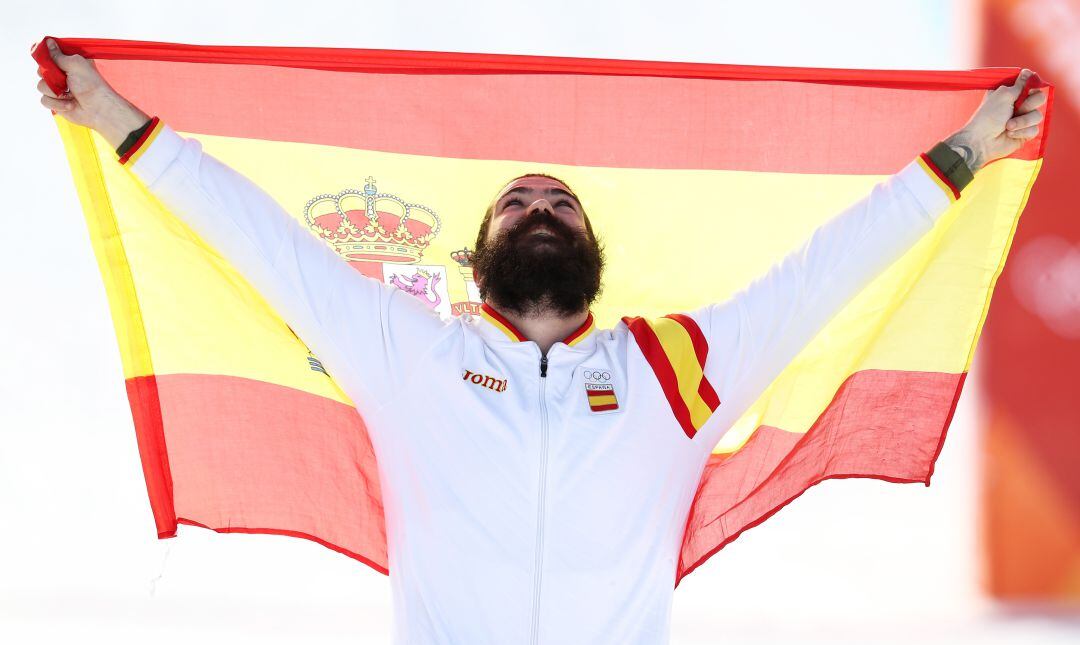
(698, 178)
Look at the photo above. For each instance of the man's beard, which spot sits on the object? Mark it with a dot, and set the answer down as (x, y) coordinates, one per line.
(535, 273)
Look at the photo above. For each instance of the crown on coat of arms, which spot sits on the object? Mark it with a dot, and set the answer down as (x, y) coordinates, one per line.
(369, 226)
(462, 256)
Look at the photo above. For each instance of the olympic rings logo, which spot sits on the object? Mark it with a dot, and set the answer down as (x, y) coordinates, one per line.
(597, 376)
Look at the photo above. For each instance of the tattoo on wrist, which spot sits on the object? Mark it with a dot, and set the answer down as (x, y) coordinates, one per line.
(966, 152)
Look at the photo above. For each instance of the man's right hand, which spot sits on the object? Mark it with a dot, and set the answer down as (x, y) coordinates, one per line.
(90, 100)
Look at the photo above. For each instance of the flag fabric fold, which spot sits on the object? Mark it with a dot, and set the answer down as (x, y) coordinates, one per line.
(697, 177)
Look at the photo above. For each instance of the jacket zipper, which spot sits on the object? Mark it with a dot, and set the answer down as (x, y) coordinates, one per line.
(535, 638)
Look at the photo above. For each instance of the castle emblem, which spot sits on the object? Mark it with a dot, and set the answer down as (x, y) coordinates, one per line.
(472, 301)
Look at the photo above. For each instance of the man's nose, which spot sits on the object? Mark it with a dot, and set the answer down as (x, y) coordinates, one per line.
(540, 205)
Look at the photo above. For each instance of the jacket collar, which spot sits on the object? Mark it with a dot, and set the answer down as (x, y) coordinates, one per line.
(499, 322)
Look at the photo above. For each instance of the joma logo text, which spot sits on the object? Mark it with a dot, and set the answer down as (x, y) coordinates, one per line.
(483, 380)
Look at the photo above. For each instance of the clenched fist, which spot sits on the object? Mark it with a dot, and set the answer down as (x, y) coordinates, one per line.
(90, 101)
(993, 131)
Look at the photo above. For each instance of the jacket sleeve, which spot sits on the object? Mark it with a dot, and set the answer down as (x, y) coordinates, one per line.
(756, 333)
(365, 333)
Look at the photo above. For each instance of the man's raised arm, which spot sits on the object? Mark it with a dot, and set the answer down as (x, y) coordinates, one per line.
(755, 334)
(363, 331)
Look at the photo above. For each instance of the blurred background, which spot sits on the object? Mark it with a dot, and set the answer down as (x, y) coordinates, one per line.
(990, 553)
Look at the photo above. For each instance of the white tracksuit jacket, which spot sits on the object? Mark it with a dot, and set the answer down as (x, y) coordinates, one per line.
(515, 513)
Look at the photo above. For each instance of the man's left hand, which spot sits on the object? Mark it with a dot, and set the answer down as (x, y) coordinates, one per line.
(994, 131)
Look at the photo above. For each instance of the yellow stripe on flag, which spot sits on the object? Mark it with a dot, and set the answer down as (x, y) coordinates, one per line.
(108, 248)
(912, 317)
(932, 288)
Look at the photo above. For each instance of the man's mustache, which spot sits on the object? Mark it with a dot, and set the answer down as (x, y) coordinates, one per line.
(542, 220)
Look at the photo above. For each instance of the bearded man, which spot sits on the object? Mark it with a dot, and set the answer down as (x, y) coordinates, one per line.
(541, 491)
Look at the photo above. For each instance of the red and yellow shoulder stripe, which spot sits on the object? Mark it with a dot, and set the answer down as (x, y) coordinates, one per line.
(676, 350)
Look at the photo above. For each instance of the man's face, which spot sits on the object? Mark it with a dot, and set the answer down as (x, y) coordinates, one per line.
(538, 254)
(535, 198)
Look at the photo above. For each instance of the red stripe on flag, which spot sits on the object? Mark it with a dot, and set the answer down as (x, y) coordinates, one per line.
(239, 465)
(390, 61)
(682, 105)
(145, 404)
(881, 424)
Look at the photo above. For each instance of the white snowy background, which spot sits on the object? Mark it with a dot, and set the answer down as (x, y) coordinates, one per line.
(851, 561)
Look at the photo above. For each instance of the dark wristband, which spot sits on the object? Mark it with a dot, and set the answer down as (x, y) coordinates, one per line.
(132, 137)
(951, 164)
